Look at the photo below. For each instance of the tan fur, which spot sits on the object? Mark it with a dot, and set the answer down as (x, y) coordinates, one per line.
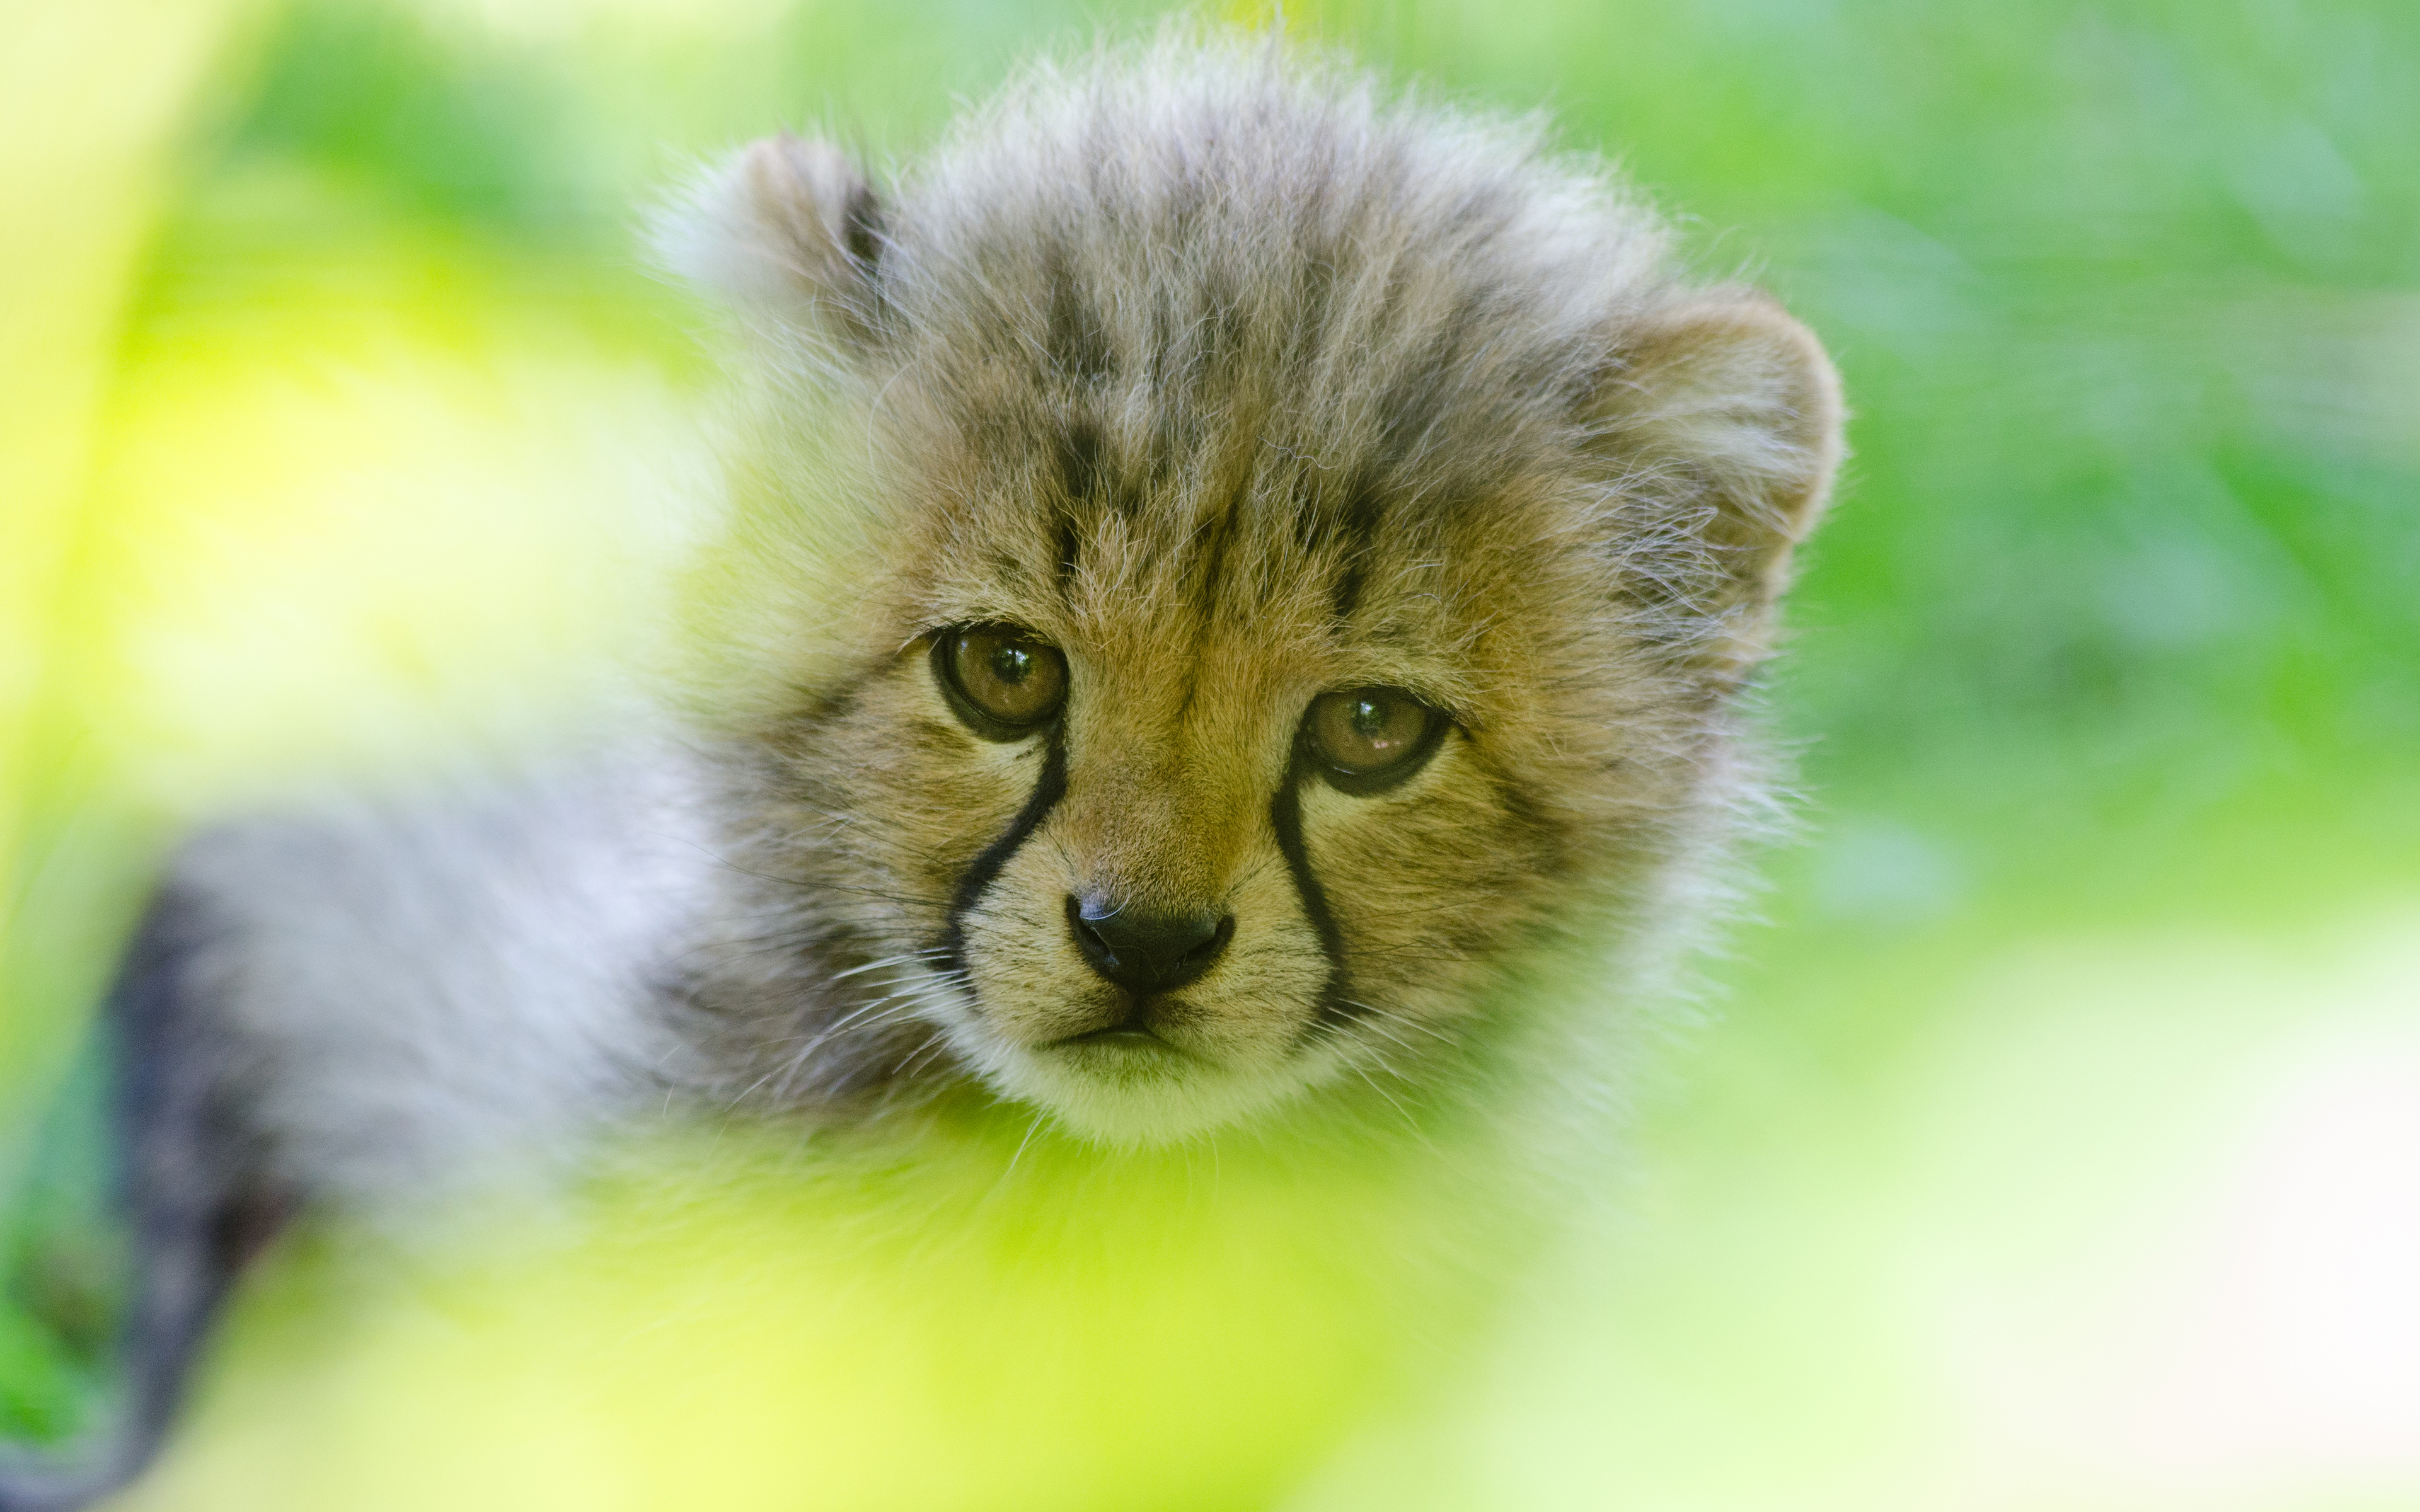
(1236, 382)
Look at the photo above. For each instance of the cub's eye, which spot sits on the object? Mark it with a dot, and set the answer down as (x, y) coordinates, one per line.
(1368, 738)
(1000, 680)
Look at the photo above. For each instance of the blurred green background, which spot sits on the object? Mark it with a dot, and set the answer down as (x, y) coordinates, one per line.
(2054, 1137)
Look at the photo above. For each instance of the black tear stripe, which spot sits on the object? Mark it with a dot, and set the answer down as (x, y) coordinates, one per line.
(980, 875)
(1285, 817)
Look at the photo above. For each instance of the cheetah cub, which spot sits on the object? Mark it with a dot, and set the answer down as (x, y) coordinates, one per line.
(1227, 571)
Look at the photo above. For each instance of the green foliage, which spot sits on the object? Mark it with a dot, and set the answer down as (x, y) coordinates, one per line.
(369, 93)
(64, 1263)
(2115, 618)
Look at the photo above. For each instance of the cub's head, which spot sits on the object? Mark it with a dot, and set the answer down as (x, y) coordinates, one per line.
(1246, 562)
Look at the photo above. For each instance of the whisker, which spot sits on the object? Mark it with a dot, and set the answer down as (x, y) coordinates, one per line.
(1405, 1020)
(854, 1015)
(1373, 1082)
(1371, 1023)
(925, 954)
(1030, 1130)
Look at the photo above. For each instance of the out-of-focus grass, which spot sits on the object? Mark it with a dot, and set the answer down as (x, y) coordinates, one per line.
(341, 425)
(1001, 1320)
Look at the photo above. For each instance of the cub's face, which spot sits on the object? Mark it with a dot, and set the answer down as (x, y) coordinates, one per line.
(1196, 817)
(1160, 802)
(1265, 599)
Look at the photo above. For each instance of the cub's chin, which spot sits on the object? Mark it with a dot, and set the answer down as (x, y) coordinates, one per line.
(1126, 1089)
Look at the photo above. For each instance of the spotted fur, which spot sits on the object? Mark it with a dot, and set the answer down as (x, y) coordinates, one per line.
(1238, 382)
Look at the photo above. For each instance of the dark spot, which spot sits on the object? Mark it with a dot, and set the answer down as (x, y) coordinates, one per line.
(829, 706)
(1089, 471)
(1364, 503)
(1348, 522)
(1077, 344)
(1215, 536)
(1549, 834)
(860, 228)
(1346, 593)
(935, 738)
(1080, 458)
(818, 706)
(1481, 215)
(242, 1228)
(1412, 407)
(1071, 548)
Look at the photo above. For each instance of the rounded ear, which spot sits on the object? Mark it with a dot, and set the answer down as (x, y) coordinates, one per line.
(1722, 398)
(788, 229)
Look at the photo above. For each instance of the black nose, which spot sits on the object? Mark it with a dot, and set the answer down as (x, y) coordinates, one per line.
(1144, 952)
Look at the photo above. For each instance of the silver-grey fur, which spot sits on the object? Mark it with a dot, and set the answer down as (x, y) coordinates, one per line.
(447, 988)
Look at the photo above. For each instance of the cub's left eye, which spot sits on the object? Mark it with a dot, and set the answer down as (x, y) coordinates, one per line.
(1001, 681)
(1368, 738)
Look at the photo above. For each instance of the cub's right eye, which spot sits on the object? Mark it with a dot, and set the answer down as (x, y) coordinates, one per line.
(1001, 680)
(1368, 739)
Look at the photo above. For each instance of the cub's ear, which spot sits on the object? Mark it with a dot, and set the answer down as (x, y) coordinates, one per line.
(1728, 412)
(787, 230)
